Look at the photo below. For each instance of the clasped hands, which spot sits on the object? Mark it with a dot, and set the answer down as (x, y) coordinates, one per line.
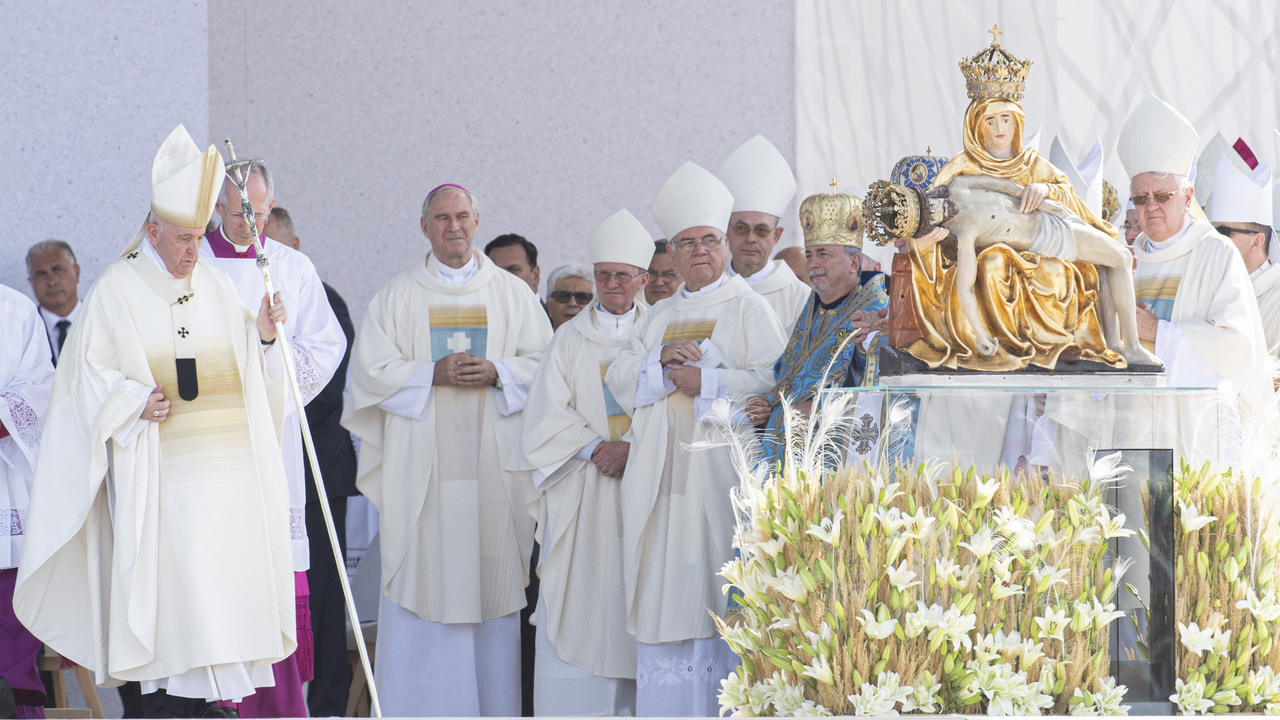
(462, 369)
(674, 356)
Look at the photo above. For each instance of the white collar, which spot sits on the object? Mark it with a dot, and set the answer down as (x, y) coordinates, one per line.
(1186, 225)
(710, 287)
(51, 318)
(615, 326)
(1261, 269)
(458, 276)
(150, 250)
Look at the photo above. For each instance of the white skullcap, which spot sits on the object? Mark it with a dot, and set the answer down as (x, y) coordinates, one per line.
(1086, 177)
(759, 178)
(692, 197)
(621, 239)
(185, 182)
(1241, 198)
(1157, 138)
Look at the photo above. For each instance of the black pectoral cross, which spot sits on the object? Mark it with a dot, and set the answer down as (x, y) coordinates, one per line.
(183, 332)
(133, 255)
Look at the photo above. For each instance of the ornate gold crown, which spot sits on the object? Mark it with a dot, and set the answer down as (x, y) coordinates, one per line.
(891, 212)
(832, 219)
(1110, 202)
(994, 73)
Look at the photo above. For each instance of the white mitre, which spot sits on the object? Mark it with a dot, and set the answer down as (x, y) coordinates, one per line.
(692, 197)
(1202, 178)
(621, 239)
(759, 178)
(184, 183)
(1157, 138)
(1086, 177)
(1238, 197)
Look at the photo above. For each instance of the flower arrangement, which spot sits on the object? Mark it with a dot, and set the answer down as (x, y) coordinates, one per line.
(918, 590)
(1227, 575)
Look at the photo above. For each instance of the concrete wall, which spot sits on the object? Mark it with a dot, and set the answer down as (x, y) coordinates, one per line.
(554, 115)
(554, 118)
(90, 90)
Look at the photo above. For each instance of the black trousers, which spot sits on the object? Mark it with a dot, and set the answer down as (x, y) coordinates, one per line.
(327, 694)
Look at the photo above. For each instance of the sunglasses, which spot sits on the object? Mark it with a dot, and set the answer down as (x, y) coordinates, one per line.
(1159, 197)
(563, 296)
(1228, 231)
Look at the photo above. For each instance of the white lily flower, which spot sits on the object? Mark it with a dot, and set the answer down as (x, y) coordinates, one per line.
(985, 487)
(1000, 591)
(828, 530)
(819, 670)
(1190, 699)
(944, 569)
(919, 524)
(891, 520)
(981, 544)
(883, 493)
(811, 709)
(1053, 574)
(1052, 623)
(874, 629)
(771, 547)
(1265, 608)
(902, 579)
(786, 624)
(1112, 527)
(1192, 520)
(1195, 639)
(1222, 642)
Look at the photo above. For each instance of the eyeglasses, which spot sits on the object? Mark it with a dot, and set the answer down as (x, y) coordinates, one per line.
(1126, 227)
(239, 217)
(764, 232)
(667, 275)
(563, 297)
(604, 277)
(1228, 231)
(1159, 197)
(705, 243)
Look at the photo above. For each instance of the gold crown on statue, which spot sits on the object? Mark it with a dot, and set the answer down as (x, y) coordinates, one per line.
(994, 73)
(891, 212)
(832, 219)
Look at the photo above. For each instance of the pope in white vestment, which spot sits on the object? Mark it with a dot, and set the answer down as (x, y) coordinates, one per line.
(158, 549)
(763, 187)
(573, 430)
(714, 339)
(439, 375)
(26, 378)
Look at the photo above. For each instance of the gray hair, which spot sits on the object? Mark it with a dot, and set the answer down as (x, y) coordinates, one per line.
(1183, 182)
(571, 270)
(50, 245)
(475, 204)
(850, 251)
(254, 166)
(283, 219)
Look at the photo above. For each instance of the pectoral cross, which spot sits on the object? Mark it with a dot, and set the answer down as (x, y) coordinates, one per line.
(459, 342)
(996, 32)
(833, 186)
(183, 332)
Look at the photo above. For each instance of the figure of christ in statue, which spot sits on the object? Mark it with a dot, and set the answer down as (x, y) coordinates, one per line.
(1022, 285)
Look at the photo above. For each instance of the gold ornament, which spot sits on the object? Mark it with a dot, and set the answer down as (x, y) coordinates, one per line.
(994, 73)
(832, 219)
(1110, 202)
(891, 212)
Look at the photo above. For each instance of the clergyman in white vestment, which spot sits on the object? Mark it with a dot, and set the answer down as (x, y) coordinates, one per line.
(576, 440)
(26, 378)
(1243, 212)
(763, 187)
(317, 343)
(158, 548)
(713, 340)
(439, 375)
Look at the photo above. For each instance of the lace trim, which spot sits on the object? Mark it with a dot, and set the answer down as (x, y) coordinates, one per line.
(13, 522)
(297, 523)
(310, 381)
(700, 669)
(26, 420)
(11, 453)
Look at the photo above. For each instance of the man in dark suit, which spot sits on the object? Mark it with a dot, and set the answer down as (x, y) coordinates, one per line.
(327, 693)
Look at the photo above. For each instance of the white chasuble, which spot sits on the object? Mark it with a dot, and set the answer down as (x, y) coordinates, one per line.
(26, 379)
(158, 549)
(569, 409)
(455, 536)
(677, 517)
(1266, 288)
(785, 293)
(317, 342)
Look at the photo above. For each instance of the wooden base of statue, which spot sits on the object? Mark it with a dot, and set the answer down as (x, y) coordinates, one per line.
(904, 327)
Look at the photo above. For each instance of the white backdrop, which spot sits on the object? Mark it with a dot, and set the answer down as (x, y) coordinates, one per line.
(878, 81)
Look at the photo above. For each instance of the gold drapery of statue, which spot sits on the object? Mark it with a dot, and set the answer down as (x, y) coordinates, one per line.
(1037, 307)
